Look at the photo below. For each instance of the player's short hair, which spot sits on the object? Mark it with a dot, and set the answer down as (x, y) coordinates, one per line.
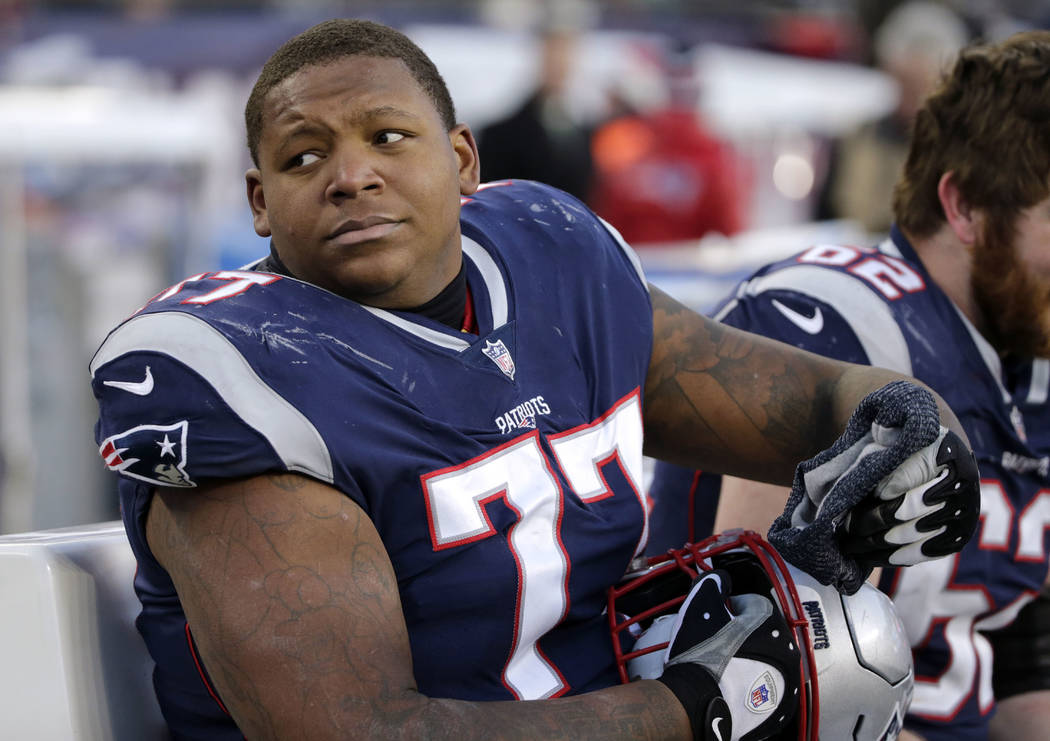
(989, 122)
(331, 41)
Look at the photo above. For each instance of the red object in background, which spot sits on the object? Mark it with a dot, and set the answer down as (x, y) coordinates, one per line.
(816, 36)
(661, 177)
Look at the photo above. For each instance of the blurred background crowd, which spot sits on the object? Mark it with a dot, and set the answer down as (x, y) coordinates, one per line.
(715, 134)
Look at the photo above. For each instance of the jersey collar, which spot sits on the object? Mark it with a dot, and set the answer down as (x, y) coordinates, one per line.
(898, 245)
(495, 290)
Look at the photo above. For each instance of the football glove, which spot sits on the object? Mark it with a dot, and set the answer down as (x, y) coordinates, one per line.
(927, 508)
(895, 489)
(734, 667)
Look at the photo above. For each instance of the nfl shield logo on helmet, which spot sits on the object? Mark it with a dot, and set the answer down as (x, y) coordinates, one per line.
(762, 696)
(151, 453)
(498, 353)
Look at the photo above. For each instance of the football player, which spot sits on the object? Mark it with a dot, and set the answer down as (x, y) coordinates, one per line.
(379, 486)
(958, 296)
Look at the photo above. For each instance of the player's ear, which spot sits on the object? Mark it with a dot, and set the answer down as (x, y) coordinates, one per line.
(257, 202)
(466, 151)
(964, 219)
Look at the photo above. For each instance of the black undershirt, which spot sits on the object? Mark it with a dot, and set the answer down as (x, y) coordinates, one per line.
(448, 307)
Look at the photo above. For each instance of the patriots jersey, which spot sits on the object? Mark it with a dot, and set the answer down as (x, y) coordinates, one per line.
(501, 469)
(879, 306)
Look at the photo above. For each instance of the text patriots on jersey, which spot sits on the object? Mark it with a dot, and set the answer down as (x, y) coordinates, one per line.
(523, 416)
(1024, 464)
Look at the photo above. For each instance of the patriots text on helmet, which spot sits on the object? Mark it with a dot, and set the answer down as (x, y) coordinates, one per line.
(816, 624)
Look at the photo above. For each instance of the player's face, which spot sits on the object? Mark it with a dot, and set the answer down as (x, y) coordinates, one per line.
(359, 182)
(1012, 283)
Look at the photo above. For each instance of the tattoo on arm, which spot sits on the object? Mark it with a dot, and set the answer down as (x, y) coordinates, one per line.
(725, 400)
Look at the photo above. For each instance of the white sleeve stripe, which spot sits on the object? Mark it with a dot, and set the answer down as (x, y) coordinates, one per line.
(887, 247)
(627, 251)
(199, 346)
(869, 317)
(726, 310)
(1037, 391)
(493, 279)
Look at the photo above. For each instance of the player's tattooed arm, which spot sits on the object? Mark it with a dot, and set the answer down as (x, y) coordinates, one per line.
(728, 401)
(294, 607)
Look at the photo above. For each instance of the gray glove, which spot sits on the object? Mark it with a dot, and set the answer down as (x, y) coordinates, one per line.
(896, 488)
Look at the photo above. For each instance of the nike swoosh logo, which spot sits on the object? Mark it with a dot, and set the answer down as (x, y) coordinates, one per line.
(811, 324)
(714, 727)
(139, 388)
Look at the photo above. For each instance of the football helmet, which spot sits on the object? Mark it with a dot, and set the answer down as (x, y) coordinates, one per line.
(856, 674)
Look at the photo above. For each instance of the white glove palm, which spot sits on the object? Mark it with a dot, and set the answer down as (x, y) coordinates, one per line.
(927, 508)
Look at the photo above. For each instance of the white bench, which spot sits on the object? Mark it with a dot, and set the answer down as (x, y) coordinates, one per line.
(72, 665)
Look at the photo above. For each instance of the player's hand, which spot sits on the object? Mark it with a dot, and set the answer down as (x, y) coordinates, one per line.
(739, 661)
(928, 507)
(896, 488)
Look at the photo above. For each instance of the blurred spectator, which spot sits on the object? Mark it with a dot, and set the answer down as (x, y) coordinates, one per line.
(660, 174)
(148, 11)
(12, 13)
(816, 34)
(912, 44)
(541, 140)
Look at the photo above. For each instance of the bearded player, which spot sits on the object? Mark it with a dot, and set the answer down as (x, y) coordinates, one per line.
(958, 296)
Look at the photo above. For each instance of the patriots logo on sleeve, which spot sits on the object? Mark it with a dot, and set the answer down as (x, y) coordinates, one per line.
(155, 454)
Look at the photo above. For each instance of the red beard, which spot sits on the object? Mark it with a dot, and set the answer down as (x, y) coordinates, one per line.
(1015, 302)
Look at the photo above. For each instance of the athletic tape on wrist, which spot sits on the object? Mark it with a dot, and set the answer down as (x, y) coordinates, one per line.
(699, 694)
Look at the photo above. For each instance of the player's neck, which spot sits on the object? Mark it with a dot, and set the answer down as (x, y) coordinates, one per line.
(950, 263)
(450, 306)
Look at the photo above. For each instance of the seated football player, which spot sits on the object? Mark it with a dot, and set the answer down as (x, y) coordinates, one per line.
(379, 484)
(959, 297)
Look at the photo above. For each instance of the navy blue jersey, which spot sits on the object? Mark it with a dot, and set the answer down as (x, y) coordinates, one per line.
(880, 307)
(502, 469)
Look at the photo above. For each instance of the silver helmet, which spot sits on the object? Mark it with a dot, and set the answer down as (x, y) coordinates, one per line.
(857, 670)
